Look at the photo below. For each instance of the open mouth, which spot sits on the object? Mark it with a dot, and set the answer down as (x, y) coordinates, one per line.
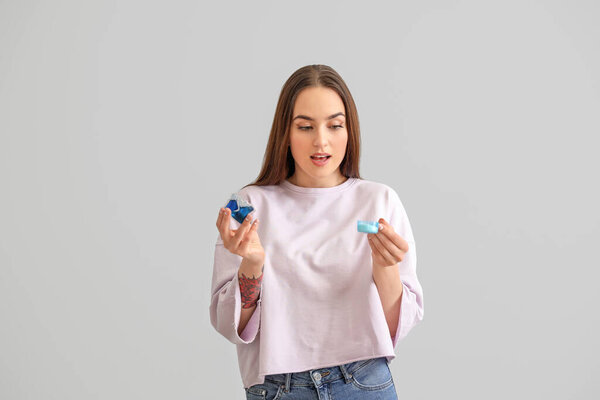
(320, 157)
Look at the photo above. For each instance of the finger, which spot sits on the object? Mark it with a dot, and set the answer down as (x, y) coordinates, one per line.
(243, 231)
(245, 245)
(389, 259)
(390, 246)
(239, 235)
(388, 231)
(225, 231)
(385, 255)
(376, 254)
(219, 217)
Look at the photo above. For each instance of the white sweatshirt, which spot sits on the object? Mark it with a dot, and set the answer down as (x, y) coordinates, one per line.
(318, 306)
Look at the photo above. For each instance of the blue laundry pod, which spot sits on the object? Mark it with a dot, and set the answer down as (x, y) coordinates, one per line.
(368, 226)
(239, 207)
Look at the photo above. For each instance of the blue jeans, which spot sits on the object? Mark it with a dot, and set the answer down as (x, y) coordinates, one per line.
(365, 379)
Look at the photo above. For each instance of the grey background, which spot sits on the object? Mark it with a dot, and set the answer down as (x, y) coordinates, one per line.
(125, 125)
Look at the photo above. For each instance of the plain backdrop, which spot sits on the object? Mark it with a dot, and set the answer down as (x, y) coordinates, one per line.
(125, 125)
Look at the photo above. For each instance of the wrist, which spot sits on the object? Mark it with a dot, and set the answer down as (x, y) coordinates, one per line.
(387, 276)
(251, 267)
(250, 276)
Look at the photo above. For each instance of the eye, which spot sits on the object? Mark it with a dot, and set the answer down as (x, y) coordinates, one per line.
(305, 128)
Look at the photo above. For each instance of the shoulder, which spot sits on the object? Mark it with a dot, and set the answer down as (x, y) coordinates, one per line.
(256, 190)
(394, 210)
(256, 195)
(378, 189)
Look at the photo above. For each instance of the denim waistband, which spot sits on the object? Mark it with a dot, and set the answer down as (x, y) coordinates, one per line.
(321, 375)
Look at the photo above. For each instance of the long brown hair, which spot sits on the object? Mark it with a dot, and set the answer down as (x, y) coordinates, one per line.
(278, 163)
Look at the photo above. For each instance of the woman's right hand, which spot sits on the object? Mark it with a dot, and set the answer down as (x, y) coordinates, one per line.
(243, 241)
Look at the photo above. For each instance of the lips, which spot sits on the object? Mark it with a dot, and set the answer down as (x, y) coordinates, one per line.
(320, 162)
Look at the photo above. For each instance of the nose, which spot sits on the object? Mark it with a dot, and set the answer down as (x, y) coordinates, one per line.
(321, 138)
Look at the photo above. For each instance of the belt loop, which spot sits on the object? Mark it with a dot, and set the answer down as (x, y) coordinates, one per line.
(347, 375)
(288, 378)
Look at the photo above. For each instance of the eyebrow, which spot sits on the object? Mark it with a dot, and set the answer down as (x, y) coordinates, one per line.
(310, 119)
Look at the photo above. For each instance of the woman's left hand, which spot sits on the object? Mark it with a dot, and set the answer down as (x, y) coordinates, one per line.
(387, 247)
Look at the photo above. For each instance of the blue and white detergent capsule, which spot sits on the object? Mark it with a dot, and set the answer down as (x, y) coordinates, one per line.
(239, 207)
(368, 226)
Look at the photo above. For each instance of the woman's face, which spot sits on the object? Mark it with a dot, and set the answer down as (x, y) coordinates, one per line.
(318, 126)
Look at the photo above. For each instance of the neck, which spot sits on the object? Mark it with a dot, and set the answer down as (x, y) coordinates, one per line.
(324, 182)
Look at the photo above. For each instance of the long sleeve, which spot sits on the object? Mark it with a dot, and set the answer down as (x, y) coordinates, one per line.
(226, 300)
(411, 306)
(317, 275)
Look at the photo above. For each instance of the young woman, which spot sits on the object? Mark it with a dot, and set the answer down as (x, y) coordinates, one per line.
(315, 307)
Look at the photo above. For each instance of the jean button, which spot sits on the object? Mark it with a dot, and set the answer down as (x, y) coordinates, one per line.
(317, 376)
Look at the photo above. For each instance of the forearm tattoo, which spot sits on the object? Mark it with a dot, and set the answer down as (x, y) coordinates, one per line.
(250, 289)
